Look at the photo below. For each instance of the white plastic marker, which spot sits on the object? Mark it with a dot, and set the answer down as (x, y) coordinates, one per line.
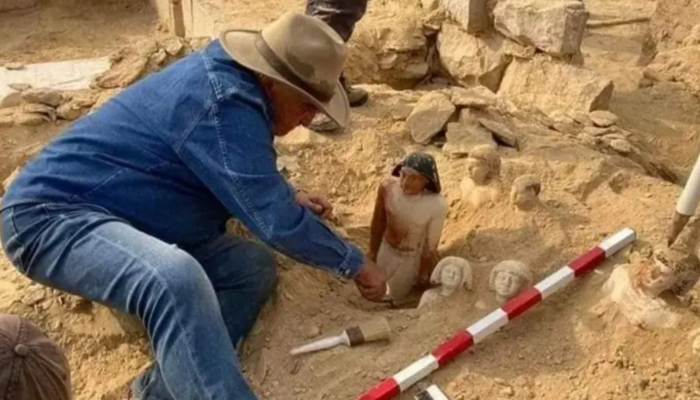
(392, 387)
(432, 393)
(687, 203)
(370, 331)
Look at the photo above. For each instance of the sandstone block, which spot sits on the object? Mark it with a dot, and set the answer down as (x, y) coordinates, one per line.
(46, 96)
(462, 138)
(603, 118)
(553, 26)
(476, 97)
(429, 116)
(472, 60)
(500, 131)
(472, 15)
(552, 86)
(680, 65)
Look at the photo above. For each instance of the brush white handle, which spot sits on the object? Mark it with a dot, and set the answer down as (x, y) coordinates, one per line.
(322, 344)
(688, 201)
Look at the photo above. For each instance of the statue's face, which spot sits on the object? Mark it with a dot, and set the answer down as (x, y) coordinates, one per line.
(478, 171)
(451, 275)
(507, 284)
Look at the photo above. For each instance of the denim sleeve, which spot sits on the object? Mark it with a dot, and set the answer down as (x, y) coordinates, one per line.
(231, 151)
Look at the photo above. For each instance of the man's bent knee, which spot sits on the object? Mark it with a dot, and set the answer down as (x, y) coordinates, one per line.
(262, 259)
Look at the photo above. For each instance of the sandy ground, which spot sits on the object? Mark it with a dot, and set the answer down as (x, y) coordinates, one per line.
(71, 29)
(574, 346)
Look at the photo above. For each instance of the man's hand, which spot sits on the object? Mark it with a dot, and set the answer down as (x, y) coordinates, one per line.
(371, 282)
(318, 204)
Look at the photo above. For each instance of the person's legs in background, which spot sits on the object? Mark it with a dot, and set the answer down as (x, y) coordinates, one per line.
(244, 275)
(341, 15)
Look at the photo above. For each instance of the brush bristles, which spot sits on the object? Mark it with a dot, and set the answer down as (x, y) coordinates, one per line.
(376, 329)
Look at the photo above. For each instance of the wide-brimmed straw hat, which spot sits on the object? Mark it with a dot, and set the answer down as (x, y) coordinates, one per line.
(300, 51)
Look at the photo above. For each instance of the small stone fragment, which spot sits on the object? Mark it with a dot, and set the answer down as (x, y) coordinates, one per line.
(43, 109)
(287, 163)
(472, 15)
(128, 66)
(31, 119)
(69, 111)
(173, 45)
(595, 131)
(312, 331)
(621, 146)
(501, 132)
(507, 391)
(20, 87)
(476, 97)
(159, 57)
(49, 97)
(525, 192)
(33, 296)
(602, 118)
(429, 116)
(13, 66)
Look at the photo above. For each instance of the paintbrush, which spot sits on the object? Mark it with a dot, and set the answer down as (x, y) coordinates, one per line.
(370, 331)
(687, 203)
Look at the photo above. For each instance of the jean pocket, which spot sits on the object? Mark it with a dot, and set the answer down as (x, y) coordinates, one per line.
(11, 245)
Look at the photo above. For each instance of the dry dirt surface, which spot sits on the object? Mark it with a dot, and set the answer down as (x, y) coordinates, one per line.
(574, 346)
(70, 29)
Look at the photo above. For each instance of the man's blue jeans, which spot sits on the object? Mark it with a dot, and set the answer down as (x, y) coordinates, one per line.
(196, 303)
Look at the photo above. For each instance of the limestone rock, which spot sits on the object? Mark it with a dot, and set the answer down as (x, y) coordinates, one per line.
(173, 46)
(392, 50)
(462, 138)
(671, 26)
(476, 97)
(551, 86)
(525, 191)
(621, 146)
(20, 87)
(70, 111)
(301, 137)
(31, 119)
(594, 131)
(128, 65)
(472, 15)
(603, 119)
(680, 65)
(158, 58)
(43, 109)
(429, 116)
(13, 66)
(49, 97)
(502, 133)
(553, 26)
(472, 60)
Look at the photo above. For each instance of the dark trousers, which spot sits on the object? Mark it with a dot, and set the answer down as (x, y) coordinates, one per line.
(341, 15)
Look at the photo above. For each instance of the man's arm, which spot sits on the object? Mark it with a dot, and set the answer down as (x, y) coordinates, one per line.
(378, 222)
(231, 151)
